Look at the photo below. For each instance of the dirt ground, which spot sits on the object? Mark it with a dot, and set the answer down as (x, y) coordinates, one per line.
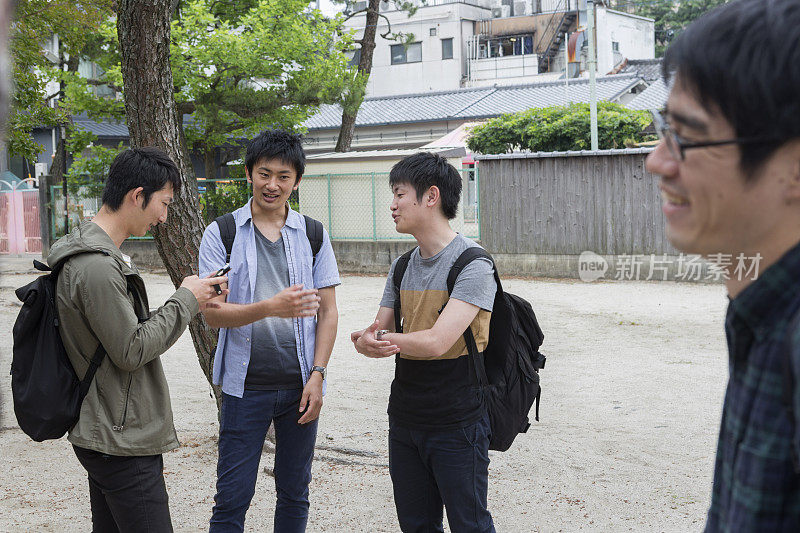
(631, 402)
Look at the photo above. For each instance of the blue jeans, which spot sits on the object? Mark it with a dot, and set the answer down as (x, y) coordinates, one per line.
(431, 469)
(243, 428)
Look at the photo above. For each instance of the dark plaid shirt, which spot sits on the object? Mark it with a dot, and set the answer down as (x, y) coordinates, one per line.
(756, 487)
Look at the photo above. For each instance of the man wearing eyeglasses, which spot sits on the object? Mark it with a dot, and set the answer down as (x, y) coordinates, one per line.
(729, 161)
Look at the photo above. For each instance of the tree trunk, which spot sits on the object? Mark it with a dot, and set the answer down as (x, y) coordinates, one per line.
(365, 66)
(143, 27)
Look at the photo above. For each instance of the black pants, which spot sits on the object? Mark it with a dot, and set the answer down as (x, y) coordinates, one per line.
(127, 494)
(432, 469)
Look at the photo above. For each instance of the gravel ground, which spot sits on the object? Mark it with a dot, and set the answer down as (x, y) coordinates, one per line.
(631, 402)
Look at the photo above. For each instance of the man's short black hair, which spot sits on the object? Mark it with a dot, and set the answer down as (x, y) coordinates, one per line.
(147, 167)
(424, 170)
(744, 57)
(276, 144)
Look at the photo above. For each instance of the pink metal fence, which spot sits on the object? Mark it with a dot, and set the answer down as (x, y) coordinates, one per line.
(20, 231)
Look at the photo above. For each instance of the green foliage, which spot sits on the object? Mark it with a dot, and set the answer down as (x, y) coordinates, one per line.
(559, 128)
(269, 64)
(225, 197)
(86, 176)
(77, 25)
(238, 67)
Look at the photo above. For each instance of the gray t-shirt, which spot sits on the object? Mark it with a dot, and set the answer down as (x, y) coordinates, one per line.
(475, 284)
(440, 393)
(273, 354)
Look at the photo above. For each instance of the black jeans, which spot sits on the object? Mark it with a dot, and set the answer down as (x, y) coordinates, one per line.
(127, 494)
(432, 469)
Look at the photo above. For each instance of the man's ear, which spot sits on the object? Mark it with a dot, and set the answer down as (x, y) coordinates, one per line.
(432, 196)
(136, 197)
(247, 175)
(296, 183)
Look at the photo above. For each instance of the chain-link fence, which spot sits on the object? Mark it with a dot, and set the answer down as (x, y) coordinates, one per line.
(78, 207)
(350, 206)
(356, 206)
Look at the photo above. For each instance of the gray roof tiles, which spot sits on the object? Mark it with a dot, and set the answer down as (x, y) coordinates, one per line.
(647, 69)
(103, 129)
(470, 103)
(654, 97)
(458, 104)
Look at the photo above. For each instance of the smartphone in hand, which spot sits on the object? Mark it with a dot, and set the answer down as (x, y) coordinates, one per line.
(221, 272)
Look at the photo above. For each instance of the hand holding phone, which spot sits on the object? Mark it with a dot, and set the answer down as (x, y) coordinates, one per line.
(221, 272)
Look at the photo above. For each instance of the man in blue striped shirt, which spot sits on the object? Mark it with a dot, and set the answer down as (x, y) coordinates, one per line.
(277, 329)
(729, 160)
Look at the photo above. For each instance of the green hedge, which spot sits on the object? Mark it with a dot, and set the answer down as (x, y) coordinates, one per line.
(560, 128)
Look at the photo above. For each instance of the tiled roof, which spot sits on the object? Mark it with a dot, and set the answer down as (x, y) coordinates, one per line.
(471, 103)
(654, 97)
(102, 129)
(110, 128)
(647, 69)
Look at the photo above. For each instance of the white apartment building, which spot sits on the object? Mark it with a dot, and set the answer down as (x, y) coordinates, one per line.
(485, 43)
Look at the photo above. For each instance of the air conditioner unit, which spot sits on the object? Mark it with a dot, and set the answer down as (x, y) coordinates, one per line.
(497, 12)
(522, 7)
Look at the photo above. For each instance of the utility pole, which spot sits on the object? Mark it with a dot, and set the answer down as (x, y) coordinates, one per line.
(592, 68)
(566, 68)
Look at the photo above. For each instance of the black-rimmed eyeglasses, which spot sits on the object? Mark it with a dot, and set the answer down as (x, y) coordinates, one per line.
(678, 145)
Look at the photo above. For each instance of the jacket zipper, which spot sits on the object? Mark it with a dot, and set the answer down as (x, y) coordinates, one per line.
(125, 411)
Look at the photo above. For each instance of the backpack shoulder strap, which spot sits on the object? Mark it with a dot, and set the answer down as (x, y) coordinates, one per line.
(466, 257)
(314, 234)
(400, 271)
(227, 232)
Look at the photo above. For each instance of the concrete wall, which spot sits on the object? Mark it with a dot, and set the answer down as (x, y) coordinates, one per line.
(143, 253)
(432, 73)
(635, 35)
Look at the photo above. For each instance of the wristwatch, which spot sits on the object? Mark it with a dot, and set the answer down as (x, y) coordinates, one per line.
(322, 370)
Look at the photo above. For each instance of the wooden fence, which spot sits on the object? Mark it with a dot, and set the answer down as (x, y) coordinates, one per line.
(565, 203)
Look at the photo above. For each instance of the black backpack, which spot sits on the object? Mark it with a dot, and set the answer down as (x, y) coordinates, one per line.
(227, 232)
(46, 389)
(509, 375)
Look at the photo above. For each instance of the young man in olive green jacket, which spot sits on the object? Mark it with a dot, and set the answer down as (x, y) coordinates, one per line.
(125, 421)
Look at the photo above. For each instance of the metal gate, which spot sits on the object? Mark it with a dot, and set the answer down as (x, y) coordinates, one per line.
(20, 232)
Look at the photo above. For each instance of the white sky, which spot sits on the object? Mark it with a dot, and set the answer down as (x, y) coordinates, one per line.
(329, 8)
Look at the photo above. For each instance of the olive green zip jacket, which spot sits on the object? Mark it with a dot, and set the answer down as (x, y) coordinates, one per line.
(101, 299)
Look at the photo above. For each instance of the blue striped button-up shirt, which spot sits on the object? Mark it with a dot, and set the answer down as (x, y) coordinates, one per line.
(233, 347)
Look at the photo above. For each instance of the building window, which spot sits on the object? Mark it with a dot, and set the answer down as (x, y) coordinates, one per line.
(410, 53)
(447, 48)
(433, 32)
(355, 57)
(615, 46)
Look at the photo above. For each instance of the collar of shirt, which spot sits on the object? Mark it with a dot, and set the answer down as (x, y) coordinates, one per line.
(769, 295)
(294, 219)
